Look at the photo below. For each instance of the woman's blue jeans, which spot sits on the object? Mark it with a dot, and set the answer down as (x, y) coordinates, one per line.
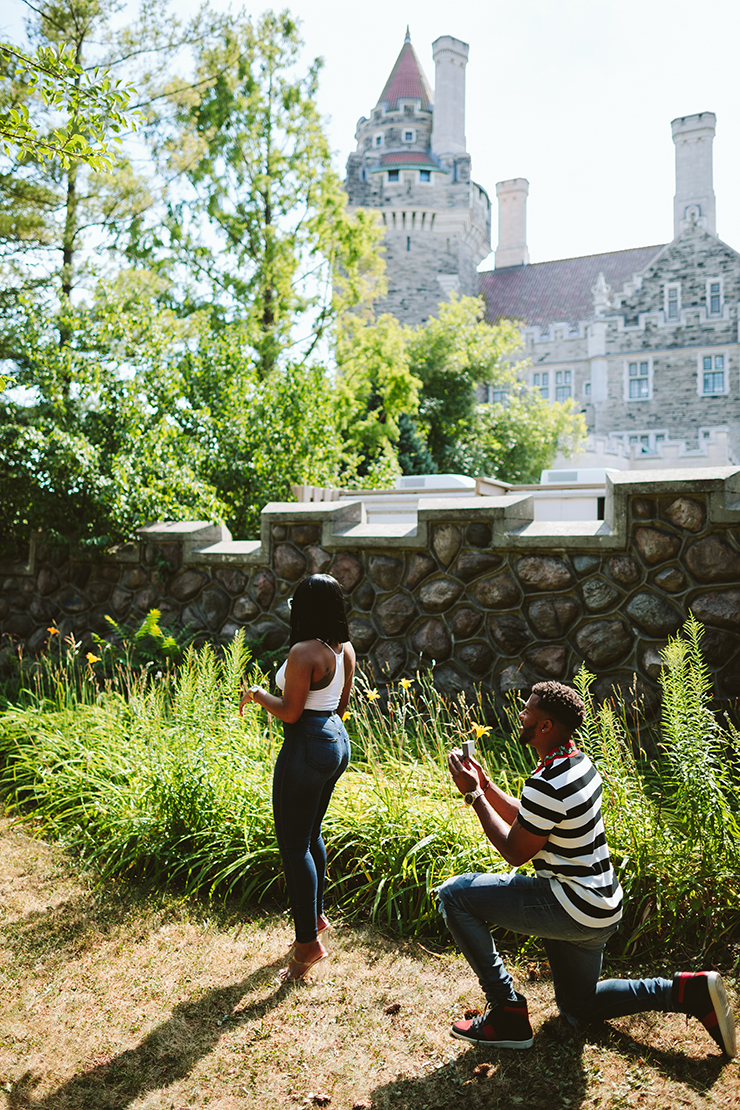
(314, 754)
(471, 904)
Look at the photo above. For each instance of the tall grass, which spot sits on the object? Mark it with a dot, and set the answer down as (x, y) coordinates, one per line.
(153, 774)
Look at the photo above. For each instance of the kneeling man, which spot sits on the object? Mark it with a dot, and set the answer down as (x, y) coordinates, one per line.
(574, 900)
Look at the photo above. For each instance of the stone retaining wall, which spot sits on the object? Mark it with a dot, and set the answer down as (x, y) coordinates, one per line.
(480, 591)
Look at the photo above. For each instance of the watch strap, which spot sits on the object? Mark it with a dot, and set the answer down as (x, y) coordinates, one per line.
(472, 796)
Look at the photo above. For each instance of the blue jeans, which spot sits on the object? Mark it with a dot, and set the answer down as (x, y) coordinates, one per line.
(470, 904)
(314, 754)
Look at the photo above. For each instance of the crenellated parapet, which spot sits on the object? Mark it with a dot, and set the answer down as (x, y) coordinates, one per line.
(479, 591)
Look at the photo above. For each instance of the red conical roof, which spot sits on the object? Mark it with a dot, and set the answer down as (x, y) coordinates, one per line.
(407, 80)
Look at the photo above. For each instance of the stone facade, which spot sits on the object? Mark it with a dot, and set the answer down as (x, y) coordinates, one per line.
(482, 593)
(643, 376)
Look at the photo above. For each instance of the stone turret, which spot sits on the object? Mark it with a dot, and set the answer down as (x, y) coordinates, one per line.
(411, 164)
(694, 201)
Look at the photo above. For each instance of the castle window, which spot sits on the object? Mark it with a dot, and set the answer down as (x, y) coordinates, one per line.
(587, 389)
(714, 297)
(378, 139)
(408, 242)
(672, 302)
(563, 385)
(639, 381)
(647, 443)
(393, 175)
(712, 375)
(542, 382)
(408, 136)
(425, 175)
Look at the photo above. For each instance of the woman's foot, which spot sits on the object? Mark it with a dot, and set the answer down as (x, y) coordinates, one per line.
(323, 925)
(303, 957)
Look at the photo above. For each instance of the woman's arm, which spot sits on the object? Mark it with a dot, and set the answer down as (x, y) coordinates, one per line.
(298, 672)
(349, 675)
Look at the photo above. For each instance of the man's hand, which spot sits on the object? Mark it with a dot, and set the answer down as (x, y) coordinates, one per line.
(466, 772)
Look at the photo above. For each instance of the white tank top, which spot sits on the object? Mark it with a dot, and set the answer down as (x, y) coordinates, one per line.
(328, 698)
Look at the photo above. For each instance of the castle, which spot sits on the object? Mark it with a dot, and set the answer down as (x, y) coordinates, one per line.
(644, 340)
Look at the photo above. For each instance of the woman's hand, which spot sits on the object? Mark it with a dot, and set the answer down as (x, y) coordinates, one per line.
(247, 698)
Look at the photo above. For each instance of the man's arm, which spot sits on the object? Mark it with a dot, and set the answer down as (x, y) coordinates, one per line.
(515, 843)
(497, 812)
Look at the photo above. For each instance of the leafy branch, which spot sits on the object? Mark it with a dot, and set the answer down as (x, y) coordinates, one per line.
(96, 107)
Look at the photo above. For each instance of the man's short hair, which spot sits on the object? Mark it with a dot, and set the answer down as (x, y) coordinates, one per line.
(561, 703)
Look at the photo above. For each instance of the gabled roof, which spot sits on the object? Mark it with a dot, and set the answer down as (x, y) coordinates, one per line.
(407, 80)
(548, 292)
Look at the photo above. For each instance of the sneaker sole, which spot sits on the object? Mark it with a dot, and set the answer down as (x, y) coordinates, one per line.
(492, 1044)
(725, 1019)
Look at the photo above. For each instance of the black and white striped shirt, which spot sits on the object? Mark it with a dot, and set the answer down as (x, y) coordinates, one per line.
(562, 800)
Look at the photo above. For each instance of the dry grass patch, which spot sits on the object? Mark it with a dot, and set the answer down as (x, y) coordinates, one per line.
(111, 1001)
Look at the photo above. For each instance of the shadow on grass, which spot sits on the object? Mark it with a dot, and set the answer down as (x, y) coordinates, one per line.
(59, 933)
(550, 1074)
(700, 1075)
(167, 1054)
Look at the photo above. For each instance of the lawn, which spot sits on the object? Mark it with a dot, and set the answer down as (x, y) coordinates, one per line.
(112, 998)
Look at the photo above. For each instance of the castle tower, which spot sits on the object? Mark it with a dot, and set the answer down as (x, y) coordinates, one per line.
(694, 201)
(411, 163)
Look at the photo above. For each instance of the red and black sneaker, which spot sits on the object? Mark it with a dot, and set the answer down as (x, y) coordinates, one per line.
(703, 996)
(503, 1026)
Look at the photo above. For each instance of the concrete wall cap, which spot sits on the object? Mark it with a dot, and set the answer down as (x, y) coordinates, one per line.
(184, 529)
(698, 478)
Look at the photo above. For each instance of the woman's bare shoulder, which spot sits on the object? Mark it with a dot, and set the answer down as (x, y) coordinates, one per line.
(304, 647)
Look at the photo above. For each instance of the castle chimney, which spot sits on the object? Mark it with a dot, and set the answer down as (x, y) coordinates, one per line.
(448, 119)
(512, 223)
(694, 200)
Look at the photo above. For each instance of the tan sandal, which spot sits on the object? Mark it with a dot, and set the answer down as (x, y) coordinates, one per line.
(299, 969)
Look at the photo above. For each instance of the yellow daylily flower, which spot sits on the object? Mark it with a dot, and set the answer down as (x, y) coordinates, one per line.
(346, 715)
(405, 682)
(92, 658)
(53, 631)
(481, 730)
(372, 695)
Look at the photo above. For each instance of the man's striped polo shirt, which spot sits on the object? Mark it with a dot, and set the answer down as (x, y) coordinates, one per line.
(562, 800)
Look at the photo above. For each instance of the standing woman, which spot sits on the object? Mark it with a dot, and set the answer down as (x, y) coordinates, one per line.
(316, 681)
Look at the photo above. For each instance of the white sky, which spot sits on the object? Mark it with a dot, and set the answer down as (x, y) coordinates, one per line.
(575, 95)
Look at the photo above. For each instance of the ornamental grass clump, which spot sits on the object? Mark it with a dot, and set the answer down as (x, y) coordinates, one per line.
(154, 774)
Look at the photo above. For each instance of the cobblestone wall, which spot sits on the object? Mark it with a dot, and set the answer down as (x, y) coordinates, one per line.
(481, 593)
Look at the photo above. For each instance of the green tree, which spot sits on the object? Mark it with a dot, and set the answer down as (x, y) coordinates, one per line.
(260, 435)
(260, 226)
(375, 391)
(68, 218)
(517, 438)
(93, 449)
(453, 355)
(93, 106)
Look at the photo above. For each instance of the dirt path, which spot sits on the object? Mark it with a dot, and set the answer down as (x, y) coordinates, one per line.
(111, 1001)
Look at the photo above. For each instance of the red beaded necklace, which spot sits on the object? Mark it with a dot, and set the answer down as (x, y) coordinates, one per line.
(565, 751)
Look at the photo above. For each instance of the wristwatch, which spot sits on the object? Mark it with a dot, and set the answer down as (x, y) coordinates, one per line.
(472, 796)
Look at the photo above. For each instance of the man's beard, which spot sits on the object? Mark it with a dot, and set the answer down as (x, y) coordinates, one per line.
(526, 735)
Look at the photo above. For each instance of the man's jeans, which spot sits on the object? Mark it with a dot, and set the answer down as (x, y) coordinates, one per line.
(470, 904)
